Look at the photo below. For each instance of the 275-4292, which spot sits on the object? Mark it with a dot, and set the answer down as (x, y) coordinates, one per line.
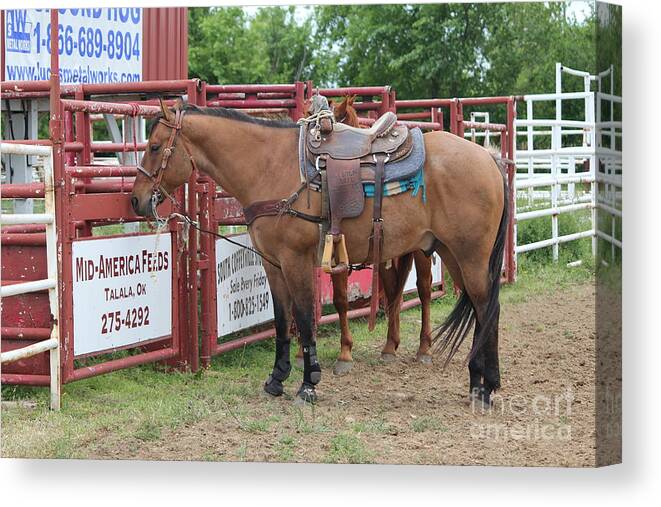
(132, 318)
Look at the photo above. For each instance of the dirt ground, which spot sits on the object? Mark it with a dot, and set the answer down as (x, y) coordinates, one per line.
(409, 413)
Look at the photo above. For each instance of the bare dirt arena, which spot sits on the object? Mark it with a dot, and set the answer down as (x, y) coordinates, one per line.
(408, 413)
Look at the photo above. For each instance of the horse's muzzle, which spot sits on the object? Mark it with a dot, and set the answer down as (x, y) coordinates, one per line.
(141, 207)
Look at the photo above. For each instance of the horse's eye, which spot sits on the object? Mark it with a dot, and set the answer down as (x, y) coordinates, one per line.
(155, 147)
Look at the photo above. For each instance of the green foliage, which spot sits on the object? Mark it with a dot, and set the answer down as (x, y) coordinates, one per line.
(422, 50)
(228, 46)
(538, 229)
(447, 50)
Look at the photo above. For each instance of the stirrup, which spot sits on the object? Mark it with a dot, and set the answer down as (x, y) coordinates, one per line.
(329, 250)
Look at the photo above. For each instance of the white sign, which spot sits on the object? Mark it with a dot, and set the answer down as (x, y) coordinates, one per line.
(95, 45)
(436, 269)
(122, 291)
(244, 296)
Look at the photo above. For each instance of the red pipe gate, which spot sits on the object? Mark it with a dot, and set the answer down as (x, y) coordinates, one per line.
(89, 197)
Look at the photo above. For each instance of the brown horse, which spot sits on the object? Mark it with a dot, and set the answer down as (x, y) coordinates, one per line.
(393, 279)
(464, 219)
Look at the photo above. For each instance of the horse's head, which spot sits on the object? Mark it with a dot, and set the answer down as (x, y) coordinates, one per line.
(165, 165)
(341, 109)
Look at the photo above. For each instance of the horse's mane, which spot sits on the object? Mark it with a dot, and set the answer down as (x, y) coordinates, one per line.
(230, 114)
(233, 114)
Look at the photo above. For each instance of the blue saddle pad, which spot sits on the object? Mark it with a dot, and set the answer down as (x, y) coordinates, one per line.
(399, 170)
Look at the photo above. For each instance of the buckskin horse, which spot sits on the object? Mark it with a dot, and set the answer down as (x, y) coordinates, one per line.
(393, 279)
(463, 218)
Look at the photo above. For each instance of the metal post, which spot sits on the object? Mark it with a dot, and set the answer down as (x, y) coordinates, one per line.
(511, 180)
(58, 260)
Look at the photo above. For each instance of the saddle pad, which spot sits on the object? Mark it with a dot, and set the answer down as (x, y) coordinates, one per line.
(398, 170)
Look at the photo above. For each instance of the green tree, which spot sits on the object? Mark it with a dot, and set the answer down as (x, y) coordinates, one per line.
(228, 46)
(421, 50)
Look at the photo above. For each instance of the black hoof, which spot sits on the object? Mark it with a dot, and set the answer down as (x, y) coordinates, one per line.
(307, 393)
(274, 387)
(480, 399)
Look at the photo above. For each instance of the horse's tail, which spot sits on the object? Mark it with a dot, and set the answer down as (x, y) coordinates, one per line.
(451, 334)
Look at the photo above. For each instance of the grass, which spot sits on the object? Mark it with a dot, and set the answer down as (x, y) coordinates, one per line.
(346, 448)
(427, 423)
(129, 409)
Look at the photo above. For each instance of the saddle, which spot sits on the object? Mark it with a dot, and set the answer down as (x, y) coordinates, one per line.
(347, 157)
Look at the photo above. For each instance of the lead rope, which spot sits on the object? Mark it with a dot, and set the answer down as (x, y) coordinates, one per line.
(162, 223)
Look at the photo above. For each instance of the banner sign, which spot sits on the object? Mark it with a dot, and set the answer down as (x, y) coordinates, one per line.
(95, 45)
(122, 291)
(436, 269)
(244, 295)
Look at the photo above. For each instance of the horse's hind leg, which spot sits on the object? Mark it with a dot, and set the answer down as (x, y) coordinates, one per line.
(424, 283)
(393, 281)
(282, 310)
(483, 364)
(476, 363)
(344, 361)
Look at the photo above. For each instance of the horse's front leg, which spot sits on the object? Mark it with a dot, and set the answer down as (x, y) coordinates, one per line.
(282, 311)
(298, 272)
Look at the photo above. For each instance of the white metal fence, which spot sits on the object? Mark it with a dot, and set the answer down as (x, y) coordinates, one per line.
(48, 218)
(570, 165)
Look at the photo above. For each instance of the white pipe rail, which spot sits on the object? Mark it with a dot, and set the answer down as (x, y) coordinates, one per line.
(51, 345)
(542, 181)
(25, 149)
(553, 241)
(29, 351)
(27, 287)
(25, 219)
(578, 160)
(541, 97)
(550, 212)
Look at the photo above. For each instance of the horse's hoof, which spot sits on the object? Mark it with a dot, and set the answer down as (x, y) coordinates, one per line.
(424, 359)
(342, 367)
(306, 395)
(273, 387)
(299, 362)
(480, 400)
(388, 358)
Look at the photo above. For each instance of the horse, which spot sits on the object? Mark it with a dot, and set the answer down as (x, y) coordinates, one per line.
(464, 219)
(393, 279)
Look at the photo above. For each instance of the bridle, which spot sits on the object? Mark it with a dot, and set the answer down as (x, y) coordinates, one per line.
(158, 193)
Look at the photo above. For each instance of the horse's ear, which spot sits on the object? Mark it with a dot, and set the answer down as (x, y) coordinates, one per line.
(351, 100)
(179, 104)
(165, 111)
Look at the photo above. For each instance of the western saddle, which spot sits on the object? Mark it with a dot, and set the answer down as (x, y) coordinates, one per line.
(346, 157)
